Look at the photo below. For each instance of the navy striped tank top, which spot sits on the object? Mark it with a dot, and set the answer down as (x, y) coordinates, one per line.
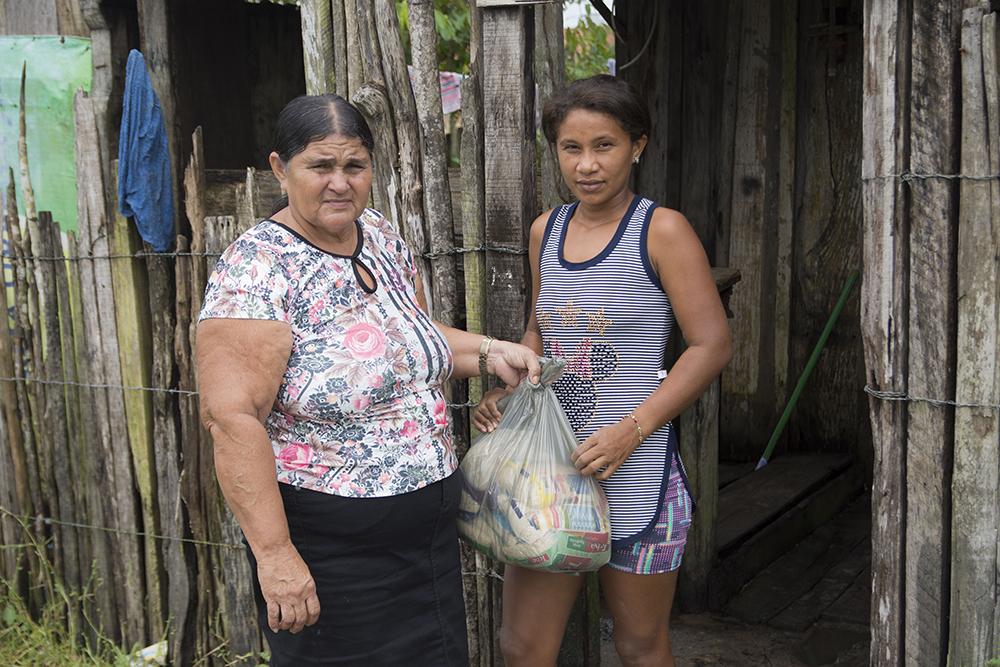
(610, 319)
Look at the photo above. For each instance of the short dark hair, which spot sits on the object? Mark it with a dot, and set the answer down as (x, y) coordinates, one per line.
(309, 118)
(604, 94)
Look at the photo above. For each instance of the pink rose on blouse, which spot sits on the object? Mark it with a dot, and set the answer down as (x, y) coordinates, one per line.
(295, 456)
(440, 413)
(364, 341)
(409, 429)
(361, 402)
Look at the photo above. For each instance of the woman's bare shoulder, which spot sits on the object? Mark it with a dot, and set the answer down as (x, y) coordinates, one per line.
(667, 224)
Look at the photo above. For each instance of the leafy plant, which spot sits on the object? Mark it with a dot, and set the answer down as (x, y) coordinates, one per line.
(451, 19)
(588, 45)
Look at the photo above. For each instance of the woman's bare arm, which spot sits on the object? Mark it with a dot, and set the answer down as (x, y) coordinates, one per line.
(240, 366)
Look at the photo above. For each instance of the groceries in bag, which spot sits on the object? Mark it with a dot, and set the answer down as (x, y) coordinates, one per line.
(523, 501)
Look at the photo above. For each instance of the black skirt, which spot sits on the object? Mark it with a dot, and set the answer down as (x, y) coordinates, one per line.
(388, 578)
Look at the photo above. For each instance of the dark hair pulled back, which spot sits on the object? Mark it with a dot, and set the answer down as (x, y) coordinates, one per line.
(309, 118)
(604, 94)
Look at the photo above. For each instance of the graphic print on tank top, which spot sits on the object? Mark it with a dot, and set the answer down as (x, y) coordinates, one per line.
(590, 363)
(611, 320)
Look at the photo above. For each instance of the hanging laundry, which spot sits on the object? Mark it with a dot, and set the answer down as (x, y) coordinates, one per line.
(145, 184)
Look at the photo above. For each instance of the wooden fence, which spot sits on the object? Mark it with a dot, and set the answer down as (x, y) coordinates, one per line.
(931, 180)
(110, 484)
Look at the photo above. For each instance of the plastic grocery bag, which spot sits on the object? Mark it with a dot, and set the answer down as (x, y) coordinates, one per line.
(523, 501)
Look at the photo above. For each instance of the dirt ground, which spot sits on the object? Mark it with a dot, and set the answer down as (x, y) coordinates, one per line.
(711, 639)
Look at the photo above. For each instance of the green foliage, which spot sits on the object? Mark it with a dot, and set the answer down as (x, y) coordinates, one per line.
(588, 47)
(45, 641)
(54, 634)
(451, 18)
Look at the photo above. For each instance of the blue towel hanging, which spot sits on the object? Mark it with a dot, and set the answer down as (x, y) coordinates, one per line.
(145, 184)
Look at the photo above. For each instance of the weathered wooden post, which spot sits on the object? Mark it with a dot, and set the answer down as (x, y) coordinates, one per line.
(698, 438)
(509, 152)
(317, 46)
(885, 297)
(12, 394)
(509, 156)
(434, 163)
(134, 350)
(975, 525)
(934, 111)
(754, 372)
(550, 75)
(112, 489)
(477, 588)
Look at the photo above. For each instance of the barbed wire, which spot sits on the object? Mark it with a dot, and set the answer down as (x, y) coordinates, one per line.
(83, 258)
(903, 397)
(143, 254)
(52, 521)
(48, 520)
(88, 385)
(182, 392)
(485, 247)
(483, 573)
(910, 176)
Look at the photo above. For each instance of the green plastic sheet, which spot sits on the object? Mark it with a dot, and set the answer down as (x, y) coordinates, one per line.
(56, 68)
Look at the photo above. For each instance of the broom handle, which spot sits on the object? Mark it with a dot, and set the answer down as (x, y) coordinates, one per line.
(807, 371)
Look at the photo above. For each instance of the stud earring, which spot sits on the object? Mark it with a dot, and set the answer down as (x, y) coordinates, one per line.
(635, 160)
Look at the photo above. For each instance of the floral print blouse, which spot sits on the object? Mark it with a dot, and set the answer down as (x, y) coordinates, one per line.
(360, 411)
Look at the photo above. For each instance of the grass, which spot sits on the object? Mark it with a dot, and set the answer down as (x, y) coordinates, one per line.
(44, 641)
(53, 634)
(47, 630)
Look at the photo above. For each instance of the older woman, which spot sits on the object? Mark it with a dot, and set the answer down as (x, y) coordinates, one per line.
(321, 380)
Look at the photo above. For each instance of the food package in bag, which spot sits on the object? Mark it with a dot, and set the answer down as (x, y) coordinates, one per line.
(523, 501)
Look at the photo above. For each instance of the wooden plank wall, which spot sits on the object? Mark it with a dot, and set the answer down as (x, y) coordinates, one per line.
(740, 145)
(28, 17)
(827, 234)
(236, 65)
(776, 181)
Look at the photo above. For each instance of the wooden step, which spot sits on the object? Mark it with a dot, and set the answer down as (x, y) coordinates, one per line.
(748, 554)
(797, 588)
(757, 499)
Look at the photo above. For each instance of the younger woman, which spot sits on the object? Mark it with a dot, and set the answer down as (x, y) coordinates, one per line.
(612, 272)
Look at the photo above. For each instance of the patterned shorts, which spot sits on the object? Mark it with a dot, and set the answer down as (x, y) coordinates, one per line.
(662, 548)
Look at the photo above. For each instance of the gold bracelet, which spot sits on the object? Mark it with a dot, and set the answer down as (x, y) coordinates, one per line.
(638, 426)
(484, 350)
